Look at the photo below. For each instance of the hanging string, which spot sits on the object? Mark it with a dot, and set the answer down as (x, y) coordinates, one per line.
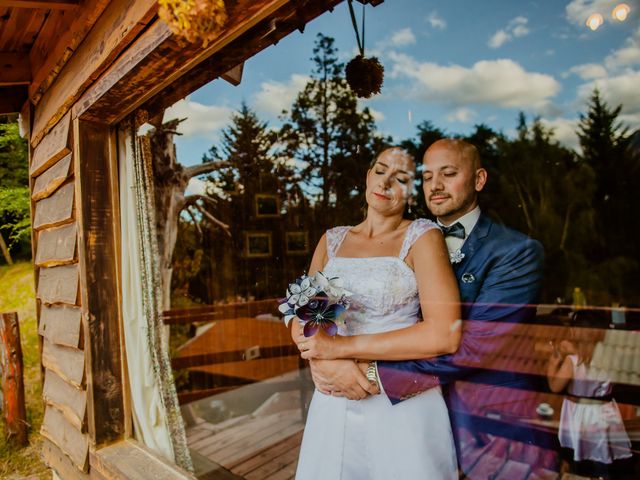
(362, 51)
(355, 26)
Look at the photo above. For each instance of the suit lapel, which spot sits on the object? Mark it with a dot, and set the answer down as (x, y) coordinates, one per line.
(473, 242)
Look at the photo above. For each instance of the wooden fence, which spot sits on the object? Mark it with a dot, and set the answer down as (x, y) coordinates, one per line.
(13, 407)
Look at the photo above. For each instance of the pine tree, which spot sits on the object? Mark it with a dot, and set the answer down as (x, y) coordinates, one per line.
(330, 136)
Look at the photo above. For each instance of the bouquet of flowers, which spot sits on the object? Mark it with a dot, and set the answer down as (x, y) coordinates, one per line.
(318, 301)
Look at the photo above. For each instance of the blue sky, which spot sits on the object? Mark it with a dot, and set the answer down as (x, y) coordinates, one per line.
(456, 63)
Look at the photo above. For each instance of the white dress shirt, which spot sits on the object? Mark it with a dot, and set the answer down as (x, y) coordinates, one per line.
(468, 221)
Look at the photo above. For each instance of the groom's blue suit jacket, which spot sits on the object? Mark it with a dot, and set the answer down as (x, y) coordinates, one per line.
(499, 279)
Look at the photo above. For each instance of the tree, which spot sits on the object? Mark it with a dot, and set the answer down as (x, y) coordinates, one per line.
(330, 136)
(605, 148)
(15, 227)
(246, 158)
(537, 186)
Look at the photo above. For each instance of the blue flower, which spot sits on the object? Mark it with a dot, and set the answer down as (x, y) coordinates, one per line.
(319, 314)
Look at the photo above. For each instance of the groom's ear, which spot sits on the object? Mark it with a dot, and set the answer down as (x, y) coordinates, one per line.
(481, 179)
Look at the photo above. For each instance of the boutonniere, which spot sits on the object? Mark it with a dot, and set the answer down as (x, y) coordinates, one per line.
(456, 257)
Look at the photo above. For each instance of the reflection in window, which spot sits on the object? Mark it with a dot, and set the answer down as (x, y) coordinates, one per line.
(269, 191)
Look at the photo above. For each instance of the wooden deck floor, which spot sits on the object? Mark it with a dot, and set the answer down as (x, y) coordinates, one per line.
(252, 447)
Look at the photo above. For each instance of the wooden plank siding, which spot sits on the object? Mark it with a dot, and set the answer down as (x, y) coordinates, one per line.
(60, 462)
(57, 428)
(69, 400)
(57, 246)
(53, 147)
(56, 209)
(58, 284)
(49, 181)
(61, 325)
(65, 361)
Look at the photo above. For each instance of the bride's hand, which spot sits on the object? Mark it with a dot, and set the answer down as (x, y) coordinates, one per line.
(320, 346)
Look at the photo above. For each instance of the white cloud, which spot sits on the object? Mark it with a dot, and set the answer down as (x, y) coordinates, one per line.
(498, 39)
(377, 115)
(618, 90)
(202, 120)
(273, 97)
(587, 71)
(196, 187)
(502, 83)
(436, 21)
(626, 56)
(579, 10)
(403, 37)
(516, 28)
(462, 114)
(564, 130)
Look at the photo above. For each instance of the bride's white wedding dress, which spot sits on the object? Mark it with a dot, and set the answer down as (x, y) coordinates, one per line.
(372, 439)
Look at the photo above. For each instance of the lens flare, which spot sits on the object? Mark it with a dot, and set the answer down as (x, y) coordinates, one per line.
(620, 12)
(594, 21)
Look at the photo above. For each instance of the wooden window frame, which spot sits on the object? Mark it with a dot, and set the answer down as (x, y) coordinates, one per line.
(142, 78)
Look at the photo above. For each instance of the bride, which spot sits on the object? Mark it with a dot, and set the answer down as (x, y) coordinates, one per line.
(394, 267)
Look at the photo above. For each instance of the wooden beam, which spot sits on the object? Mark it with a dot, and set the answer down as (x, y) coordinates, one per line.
(268, 31)
(57, 41)
(12, 98)
(131, 460)
(119, 24)
(158, 59)
(41, 4)
(234, 76)
(95, 166)
(14, 69)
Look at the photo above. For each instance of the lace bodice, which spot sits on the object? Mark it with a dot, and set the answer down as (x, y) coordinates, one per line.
(385, 292)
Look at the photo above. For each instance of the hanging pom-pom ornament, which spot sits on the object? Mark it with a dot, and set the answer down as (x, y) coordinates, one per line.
(195, 20)
(364, 76)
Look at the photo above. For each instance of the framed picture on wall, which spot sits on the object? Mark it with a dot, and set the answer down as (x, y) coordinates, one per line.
(267, 205)
(297, 243)
(257, 244)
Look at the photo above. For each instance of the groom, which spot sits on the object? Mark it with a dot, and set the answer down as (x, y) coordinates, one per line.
(499, 272)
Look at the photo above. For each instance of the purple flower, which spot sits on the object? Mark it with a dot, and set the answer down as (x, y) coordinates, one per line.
(319, 314)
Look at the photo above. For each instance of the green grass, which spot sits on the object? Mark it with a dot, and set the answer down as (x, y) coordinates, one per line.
(17, 295)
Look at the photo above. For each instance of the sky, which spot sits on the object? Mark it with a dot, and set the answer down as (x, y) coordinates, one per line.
(456, 63)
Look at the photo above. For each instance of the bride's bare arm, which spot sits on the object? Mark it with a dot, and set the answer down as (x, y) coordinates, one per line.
(438, 333)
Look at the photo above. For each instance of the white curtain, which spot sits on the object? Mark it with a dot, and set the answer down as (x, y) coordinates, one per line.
(155, 411)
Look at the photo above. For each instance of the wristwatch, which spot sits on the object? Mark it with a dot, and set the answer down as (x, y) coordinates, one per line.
(372, 374)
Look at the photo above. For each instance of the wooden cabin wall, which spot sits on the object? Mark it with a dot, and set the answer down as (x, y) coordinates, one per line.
(95, 66)
(66, 441)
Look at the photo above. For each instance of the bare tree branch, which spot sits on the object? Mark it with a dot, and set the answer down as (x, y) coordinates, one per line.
(195, 220)
(207, 167)
(213, 219)
(191, 199)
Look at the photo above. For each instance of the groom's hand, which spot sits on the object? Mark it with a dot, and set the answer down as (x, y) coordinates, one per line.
(341, 378)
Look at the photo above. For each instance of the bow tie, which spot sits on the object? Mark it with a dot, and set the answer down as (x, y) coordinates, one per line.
(455, 230)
